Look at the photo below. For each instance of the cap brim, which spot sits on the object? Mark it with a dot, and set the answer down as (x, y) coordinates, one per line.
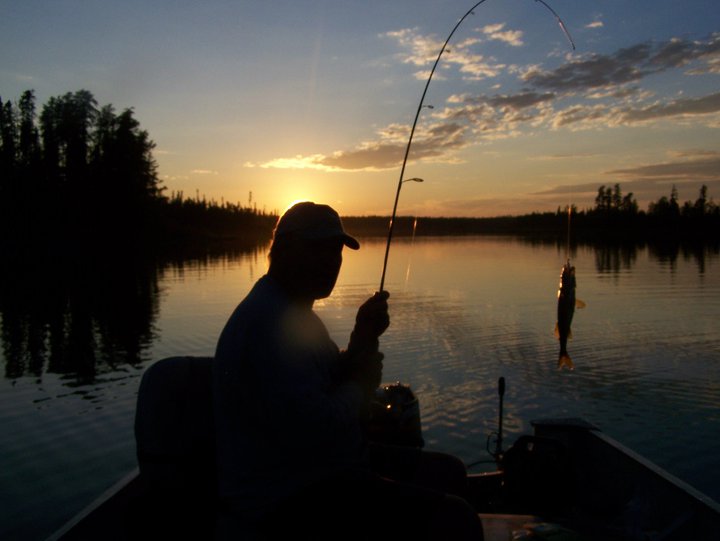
(350, 242)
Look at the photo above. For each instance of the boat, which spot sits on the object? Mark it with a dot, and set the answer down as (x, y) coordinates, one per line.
(565, 481)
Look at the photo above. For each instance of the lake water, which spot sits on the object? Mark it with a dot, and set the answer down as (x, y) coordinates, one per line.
(465, 311)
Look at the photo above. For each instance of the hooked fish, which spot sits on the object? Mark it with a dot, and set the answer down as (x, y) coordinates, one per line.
(565, 312)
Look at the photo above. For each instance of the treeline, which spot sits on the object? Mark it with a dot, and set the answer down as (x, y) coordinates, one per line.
(617, 215)
(82, 174)
(76, 170)
(611, 201)
(614, 217)
(192, 223)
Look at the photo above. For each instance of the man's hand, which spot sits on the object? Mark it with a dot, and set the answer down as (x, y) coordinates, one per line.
(365, 360)
(371, 321)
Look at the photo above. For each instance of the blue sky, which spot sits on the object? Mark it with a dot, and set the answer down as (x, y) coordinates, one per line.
(314, 99)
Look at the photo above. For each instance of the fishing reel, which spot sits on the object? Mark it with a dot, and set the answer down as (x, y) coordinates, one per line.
(395, 416)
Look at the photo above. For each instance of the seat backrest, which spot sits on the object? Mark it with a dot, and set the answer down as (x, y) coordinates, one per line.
(174, 427)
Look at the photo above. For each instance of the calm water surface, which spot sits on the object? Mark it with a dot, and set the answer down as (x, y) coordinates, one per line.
(464, 312)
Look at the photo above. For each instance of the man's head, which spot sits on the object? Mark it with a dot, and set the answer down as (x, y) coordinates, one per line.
(306, 253)
(311, 221)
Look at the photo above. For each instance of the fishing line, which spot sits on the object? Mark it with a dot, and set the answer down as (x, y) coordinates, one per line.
(412, 243)
(417, 116)
(567, 246)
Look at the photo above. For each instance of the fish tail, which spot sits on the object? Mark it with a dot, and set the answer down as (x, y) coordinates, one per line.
(565, 362)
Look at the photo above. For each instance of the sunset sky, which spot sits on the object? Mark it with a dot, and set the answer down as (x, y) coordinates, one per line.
(301, 99)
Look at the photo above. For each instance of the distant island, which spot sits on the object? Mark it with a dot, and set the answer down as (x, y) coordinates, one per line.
(78, 176)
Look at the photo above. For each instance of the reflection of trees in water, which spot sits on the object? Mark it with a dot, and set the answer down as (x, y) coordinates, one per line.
(669, 252)
(615, 257)
(609, 256)
(78, 316)
(85, 315)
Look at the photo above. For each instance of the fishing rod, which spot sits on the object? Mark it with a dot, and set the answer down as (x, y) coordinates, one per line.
(417, 116)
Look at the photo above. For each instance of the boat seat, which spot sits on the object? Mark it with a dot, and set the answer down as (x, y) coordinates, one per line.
(174, 433)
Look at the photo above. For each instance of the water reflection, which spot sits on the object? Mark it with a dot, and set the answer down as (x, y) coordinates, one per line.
(84, 315)
(617, 256)
(81, 316)
(76, 316)
(697, 251)
(613, 258)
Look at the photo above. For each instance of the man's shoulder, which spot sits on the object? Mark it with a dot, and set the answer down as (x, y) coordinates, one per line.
(265, 297)
(260, 308)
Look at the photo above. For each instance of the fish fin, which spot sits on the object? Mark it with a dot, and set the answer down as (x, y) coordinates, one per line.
(557, 331)
(565, 362)
(579, 304)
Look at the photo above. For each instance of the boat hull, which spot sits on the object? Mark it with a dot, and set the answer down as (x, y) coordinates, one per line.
(613, 493)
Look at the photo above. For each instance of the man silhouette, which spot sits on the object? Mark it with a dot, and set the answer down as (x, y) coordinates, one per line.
(290, 408)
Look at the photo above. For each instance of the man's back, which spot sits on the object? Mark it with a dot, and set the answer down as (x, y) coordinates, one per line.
(281, 419)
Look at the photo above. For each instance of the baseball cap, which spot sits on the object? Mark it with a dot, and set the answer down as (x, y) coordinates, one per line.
(313, 221)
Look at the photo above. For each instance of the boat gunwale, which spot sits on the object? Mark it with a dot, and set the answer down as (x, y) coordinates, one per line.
(107, 495)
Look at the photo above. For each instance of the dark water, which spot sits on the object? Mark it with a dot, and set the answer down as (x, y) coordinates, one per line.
(465, 311)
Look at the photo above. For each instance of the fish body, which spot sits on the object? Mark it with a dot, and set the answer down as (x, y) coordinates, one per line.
(565, 313)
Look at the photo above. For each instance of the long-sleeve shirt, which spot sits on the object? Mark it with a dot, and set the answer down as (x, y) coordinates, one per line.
(284, 414)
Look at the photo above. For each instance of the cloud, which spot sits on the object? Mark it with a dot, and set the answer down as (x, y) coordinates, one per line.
(594, 72)
(595, 24)
(601, 115)
(203, 172)
(606, 77)
(423, 51)
(627, 65)
(569, 156)
(591, 92)
(496, 32)
(585, 117)
(616, 93)
(680, 107)
(695, 152)
(23, 77)
(712, 66)
(314, 161)
(576, 190)
(520, 101)
(437, 143)
(699, 169)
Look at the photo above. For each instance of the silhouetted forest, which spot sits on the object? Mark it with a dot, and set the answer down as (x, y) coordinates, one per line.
(614, 217)
(82, 176)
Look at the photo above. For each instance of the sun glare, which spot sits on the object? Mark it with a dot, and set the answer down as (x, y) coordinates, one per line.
(295, 202)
